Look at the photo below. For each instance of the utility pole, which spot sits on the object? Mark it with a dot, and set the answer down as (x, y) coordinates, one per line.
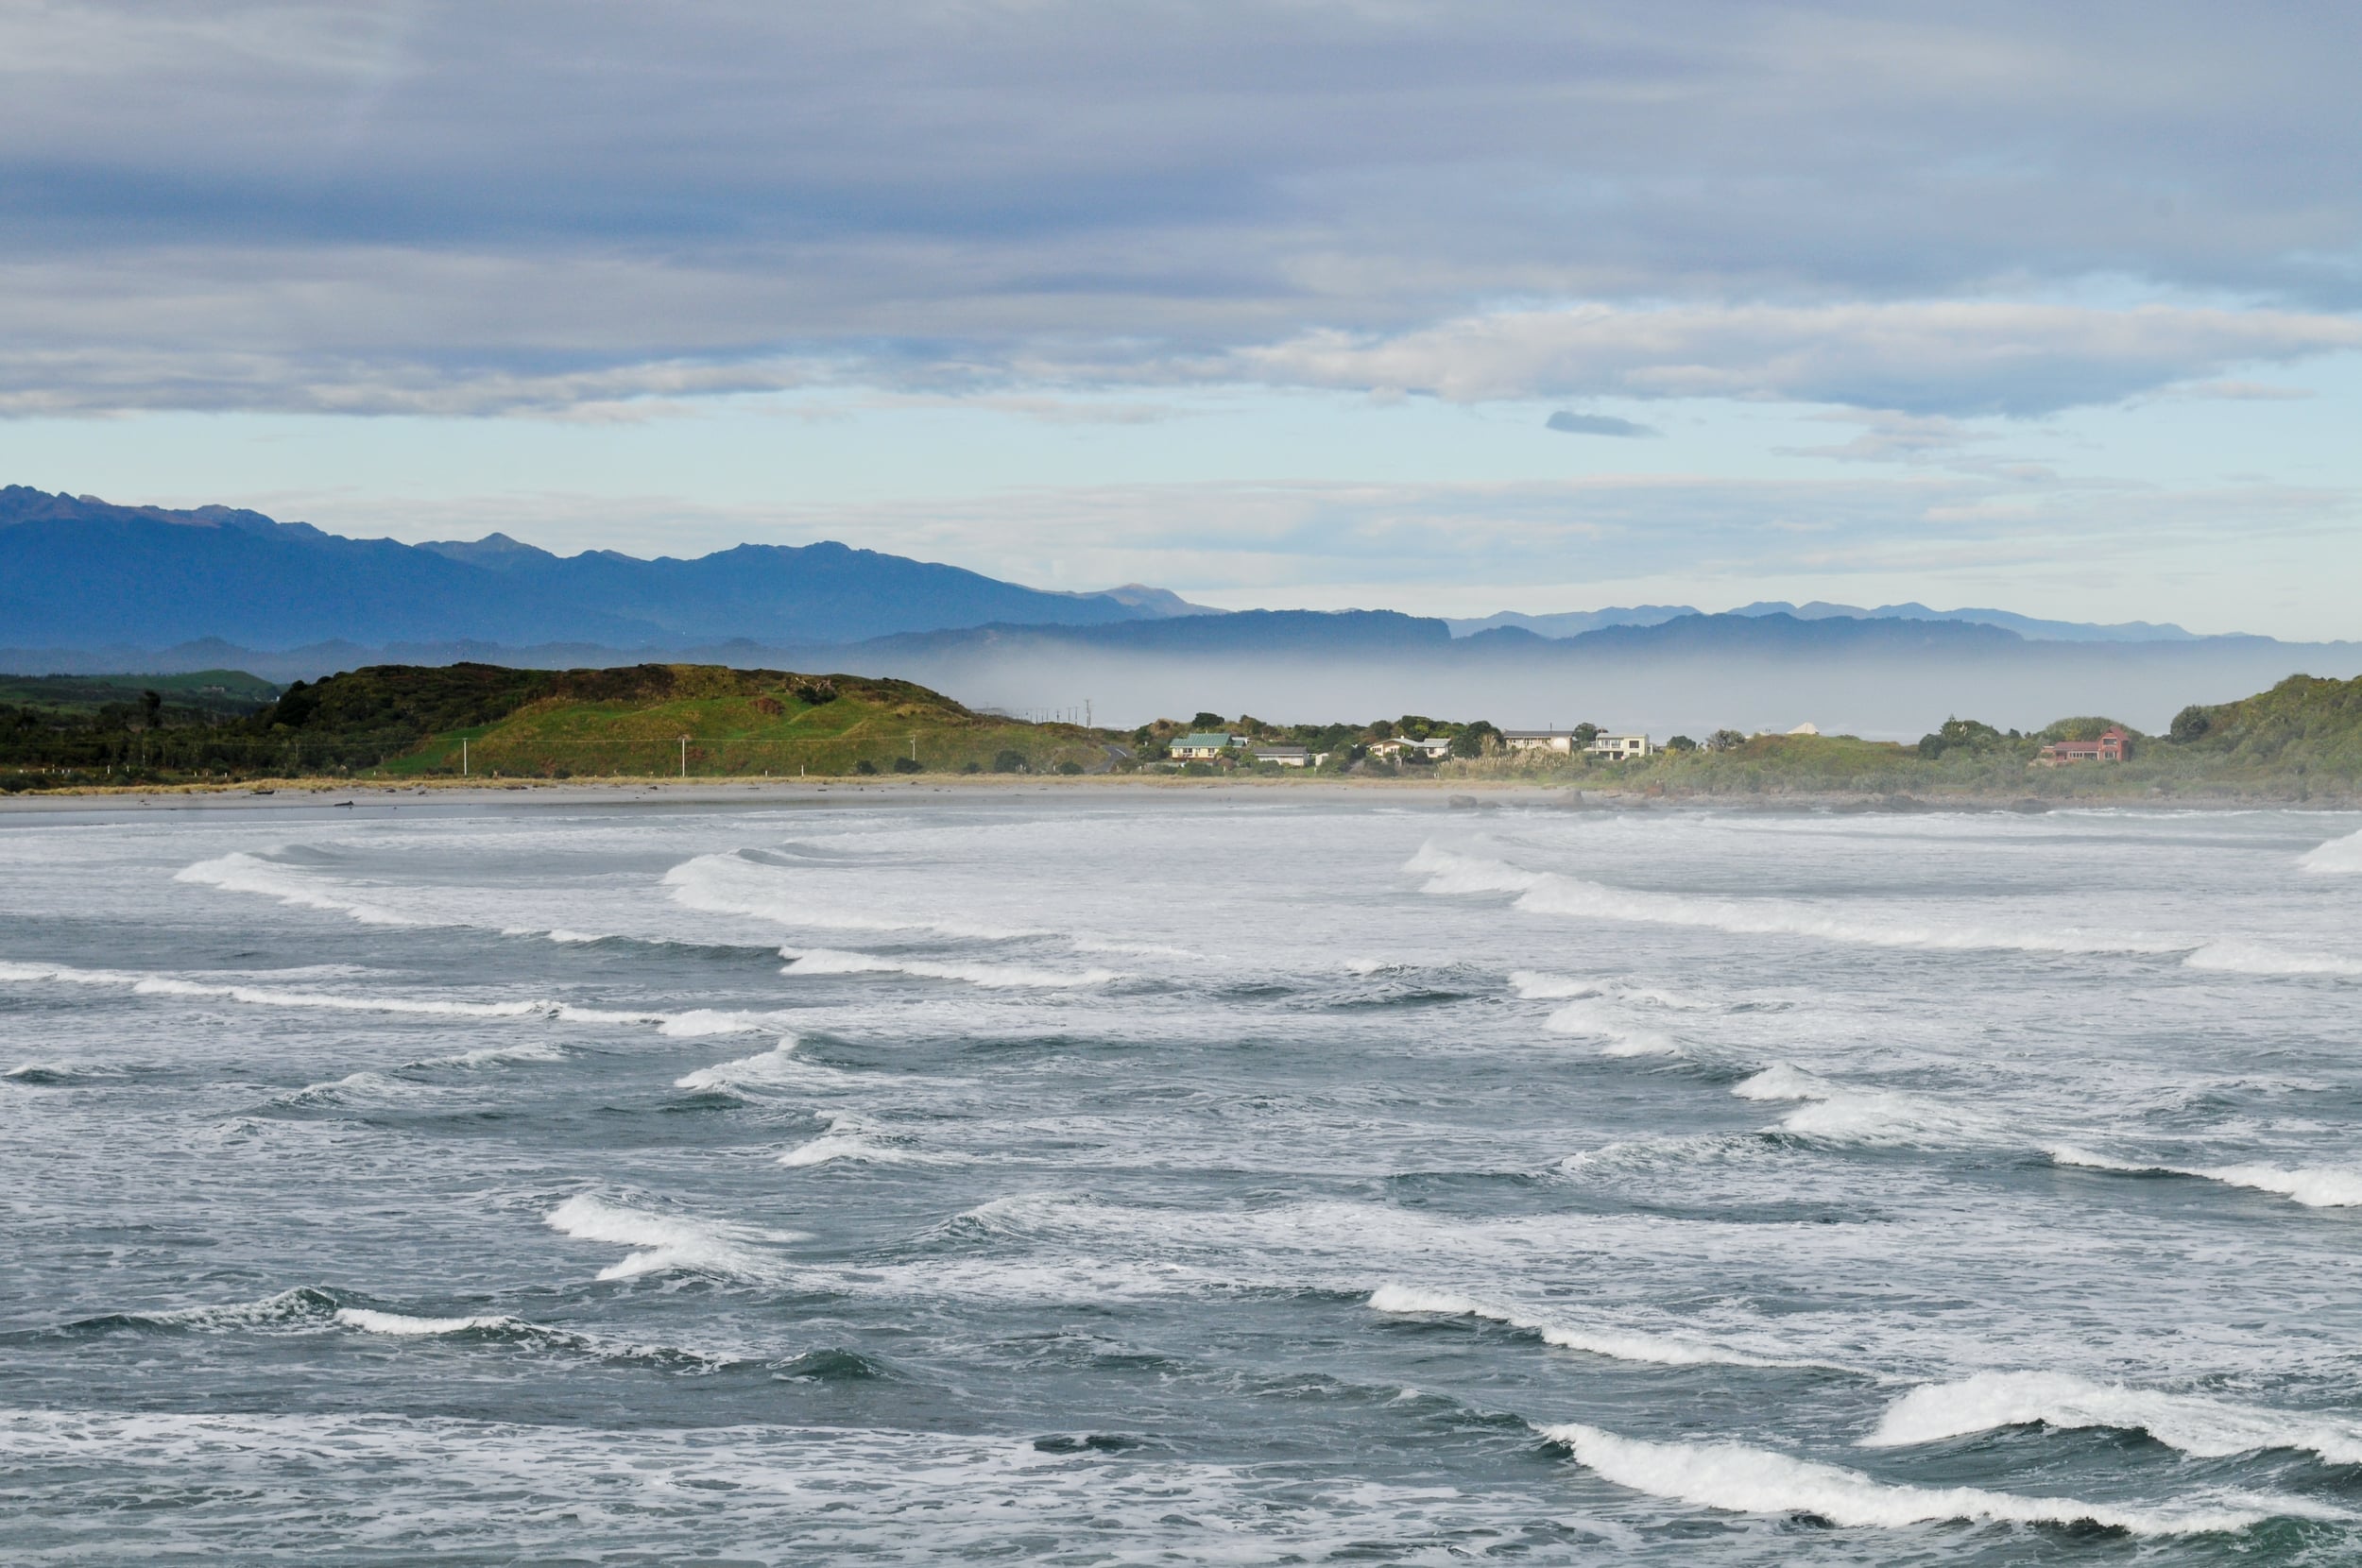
(684, 757)
(463, 757)
(1086, 715)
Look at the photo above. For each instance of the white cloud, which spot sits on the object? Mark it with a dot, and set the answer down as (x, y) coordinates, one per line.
(1950, 356)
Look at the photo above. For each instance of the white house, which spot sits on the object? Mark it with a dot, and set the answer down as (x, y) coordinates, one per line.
(1434, 749)
(1289, 757)
(1558, 740)
(1204, 748)
(1618, 748)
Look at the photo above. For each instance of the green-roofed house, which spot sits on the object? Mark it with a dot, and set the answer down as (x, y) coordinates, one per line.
(1204, 748)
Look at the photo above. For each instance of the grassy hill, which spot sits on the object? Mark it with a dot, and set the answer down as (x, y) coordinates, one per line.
(403, 722)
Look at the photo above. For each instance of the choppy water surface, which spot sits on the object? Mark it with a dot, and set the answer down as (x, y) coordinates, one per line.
(1139, 1179)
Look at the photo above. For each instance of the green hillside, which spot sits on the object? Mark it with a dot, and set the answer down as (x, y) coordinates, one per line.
(400, 721)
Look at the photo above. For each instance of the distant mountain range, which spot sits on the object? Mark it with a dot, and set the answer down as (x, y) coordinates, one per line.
(76, 572)
(1576, 622)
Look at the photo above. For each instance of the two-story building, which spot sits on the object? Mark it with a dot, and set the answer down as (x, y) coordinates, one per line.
(1619, 748)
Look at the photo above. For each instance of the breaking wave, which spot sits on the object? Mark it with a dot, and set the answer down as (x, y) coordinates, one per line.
(664, 1243)
(698, 1021)
(239, 872)
(750, 882)
(2205, 1428)
(1551, 892)
(1615, 1344)
(1593, 1019)
(827, 960)
(1740, 1479)
(2314, 1186)
(2255, 958)
(849, 1137)
(1860, 1116)
(2337, 857)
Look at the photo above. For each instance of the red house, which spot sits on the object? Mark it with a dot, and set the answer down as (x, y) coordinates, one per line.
(2113, 745)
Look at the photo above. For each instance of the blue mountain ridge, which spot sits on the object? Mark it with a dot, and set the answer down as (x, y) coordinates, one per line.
(79, 573)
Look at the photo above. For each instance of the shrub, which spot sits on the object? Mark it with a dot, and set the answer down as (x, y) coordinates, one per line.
(866, 767)
(1070, 769)
(1010, 761)
(972, 766)
(2191, 722)
(909, 764)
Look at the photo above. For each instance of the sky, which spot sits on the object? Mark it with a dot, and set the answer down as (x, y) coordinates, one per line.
(1453, 308)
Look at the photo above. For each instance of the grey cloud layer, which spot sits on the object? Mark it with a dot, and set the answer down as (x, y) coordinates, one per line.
(474, 207)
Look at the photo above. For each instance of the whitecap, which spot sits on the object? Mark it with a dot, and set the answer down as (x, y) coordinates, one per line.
(1592, 1020)
(2205, 1428)
(827, 960)
(1550, 892)
(733, 884)
(1860, 1116)
(370, 1322)
(2337, 857)
(239, 872)
(1614, 1343)
(2314, 1186)
(1738, 1478)
(1534, 987)
(665, 1242)
(849, 1137)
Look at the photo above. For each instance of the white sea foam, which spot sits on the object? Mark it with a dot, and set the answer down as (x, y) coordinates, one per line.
(827, 960)
(666, 1242)
(1614, 1343)
(2337, 857)
(239, 872)
(1740, 1479)
(370, 1322)
(2204, 1427)
(2256, 958)
(1551, 892)
(2314, 1186)
(298, 1308)
(1537, 987)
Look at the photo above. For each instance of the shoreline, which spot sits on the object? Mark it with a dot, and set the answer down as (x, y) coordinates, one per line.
(1455, 794)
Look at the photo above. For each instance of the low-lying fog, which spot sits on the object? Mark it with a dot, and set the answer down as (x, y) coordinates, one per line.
(1877, 699)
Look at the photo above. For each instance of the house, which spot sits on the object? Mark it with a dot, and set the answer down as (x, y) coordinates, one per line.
(2113, 745)
(1204, 748)
(1558, 740)
(1618, 748)
(1434, 749)
(1287, 756)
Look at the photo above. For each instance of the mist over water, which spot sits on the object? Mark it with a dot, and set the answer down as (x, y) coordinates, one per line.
(1132, 1177)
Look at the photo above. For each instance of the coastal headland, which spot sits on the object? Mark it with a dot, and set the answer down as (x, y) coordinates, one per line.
(683, 732)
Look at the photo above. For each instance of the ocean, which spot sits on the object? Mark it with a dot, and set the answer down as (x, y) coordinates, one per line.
(1109, 1176)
